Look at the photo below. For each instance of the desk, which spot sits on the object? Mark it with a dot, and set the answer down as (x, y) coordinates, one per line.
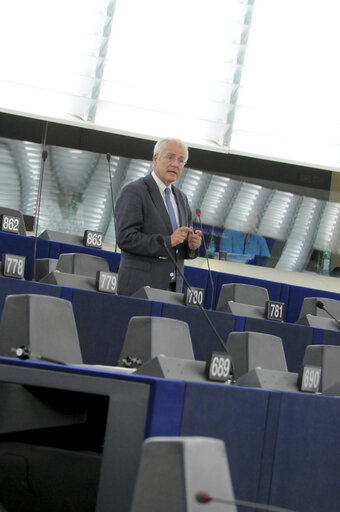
(283, 448)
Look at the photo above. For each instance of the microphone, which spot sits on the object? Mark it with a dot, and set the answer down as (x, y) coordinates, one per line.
(247, 235)
(198, 213)
(321, 305)
(108, 158)
(44, 156)
(205, 497)
(161, 241)
(24, 353)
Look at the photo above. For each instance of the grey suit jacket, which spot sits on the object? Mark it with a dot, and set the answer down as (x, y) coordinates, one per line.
(140, 217)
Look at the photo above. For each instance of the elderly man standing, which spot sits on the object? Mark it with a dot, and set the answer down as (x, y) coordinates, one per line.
(150, 208)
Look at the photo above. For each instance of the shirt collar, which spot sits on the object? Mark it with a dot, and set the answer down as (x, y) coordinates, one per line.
(160, 183)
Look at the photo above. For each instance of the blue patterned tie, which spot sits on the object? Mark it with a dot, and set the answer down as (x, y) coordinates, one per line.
(170, 209)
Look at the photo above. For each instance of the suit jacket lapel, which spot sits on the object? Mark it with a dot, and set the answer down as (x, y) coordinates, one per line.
(180, 206)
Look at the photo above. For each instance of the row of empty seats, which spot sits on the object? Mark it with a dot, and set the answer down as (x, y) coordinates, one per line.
(77, 270)
(158, 347)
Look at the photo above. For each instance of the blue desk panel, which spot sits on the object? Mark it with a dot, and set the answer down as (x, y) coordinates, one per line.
(12, 286)
(295, 299)
(200, 278)
(102, 321)
(330, 338)
(239, 417)
(23, 246)
(165, 408)
(306, 474)
(283, 448)
(203, 337)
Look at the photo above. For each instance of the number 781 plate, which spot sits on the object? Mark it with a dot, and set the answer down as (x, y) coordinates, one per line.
(275, 310)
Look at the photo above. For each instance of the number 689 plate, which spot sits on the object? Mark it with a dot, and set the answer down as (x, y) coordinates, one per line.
(218, 366)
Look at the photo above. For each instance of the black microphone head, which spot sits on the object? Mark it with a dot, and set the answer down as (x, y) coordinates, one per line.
(108, 157)
(320, 304)
(160, 240)
(203, 497)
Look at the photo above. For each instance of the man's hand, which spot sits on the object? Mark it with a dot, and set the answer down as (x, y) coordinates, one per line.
(194, 239)
(179, 236)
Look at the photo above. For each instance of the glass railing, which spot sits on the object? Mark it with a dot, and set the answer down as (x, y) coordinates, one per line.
(72, 191)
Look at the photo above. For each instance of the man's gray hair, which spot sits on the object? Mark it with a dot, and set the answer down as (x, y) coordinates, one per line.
(160, 145)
